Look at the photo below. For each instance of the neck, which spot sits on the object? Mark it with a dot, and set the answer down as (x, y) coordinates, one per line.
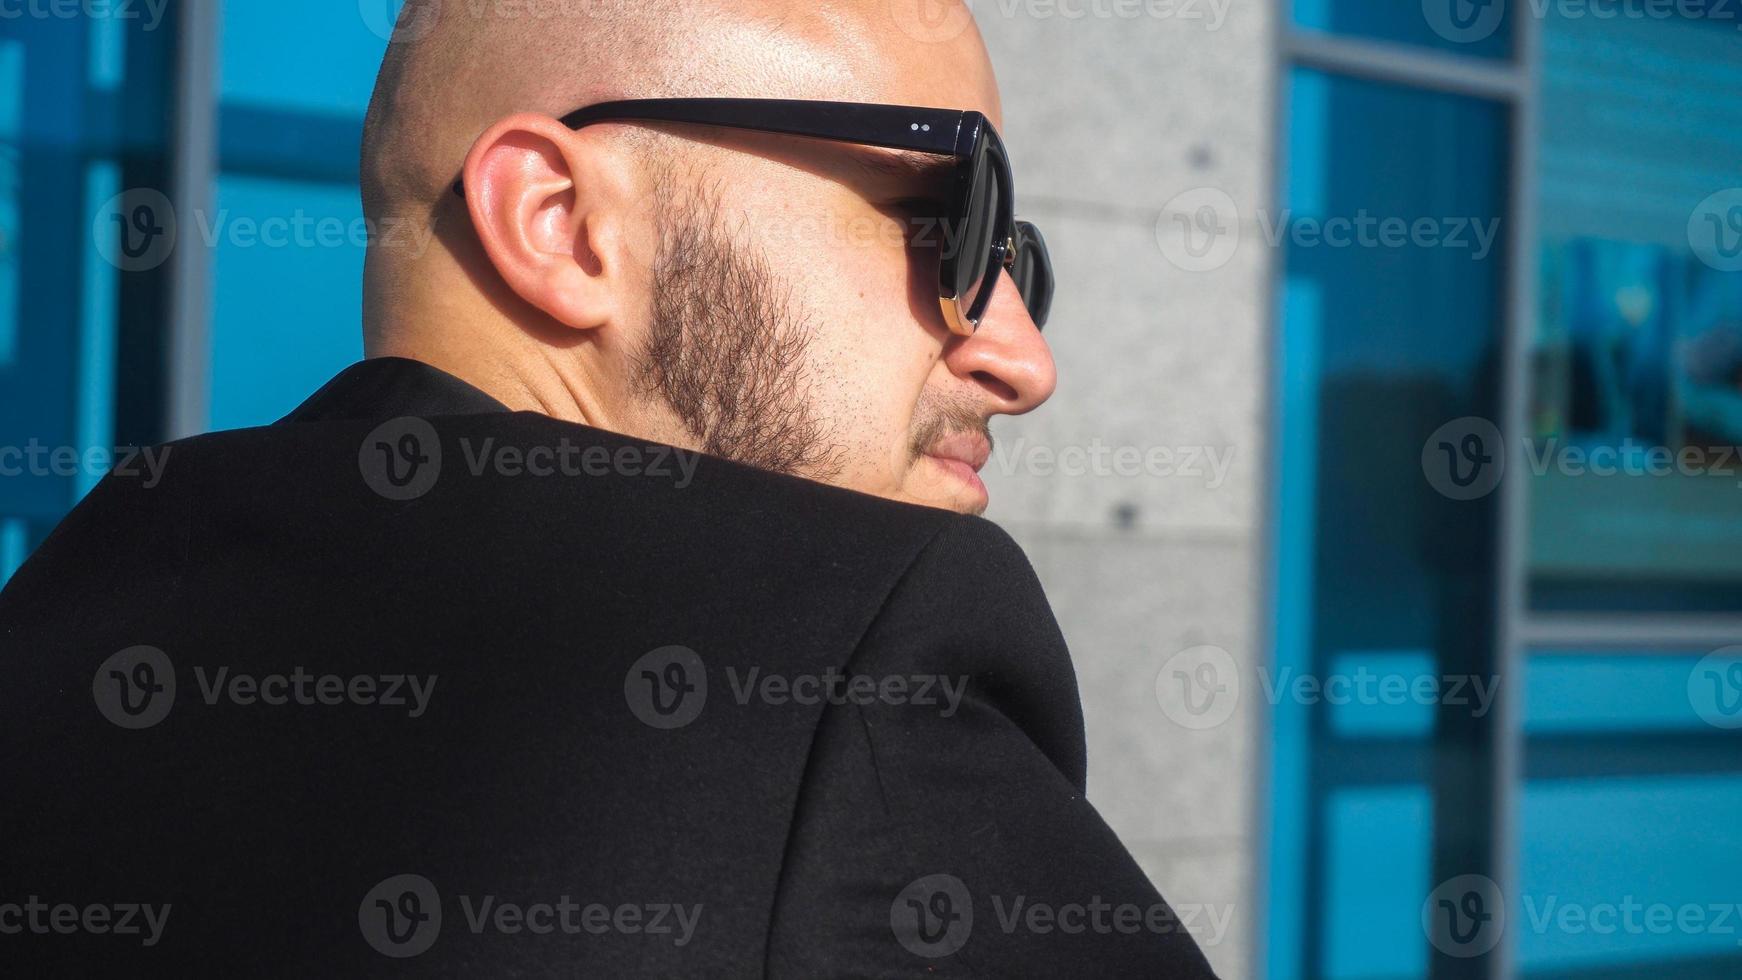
(497, 345)
(523, 383)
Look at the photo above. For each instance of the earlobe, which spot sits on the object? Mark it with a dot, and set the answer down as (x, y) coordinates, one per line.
(539, 196)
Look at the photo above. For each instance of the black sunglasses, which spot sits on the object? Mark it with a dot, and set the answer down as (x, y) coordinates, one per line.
(981, 212)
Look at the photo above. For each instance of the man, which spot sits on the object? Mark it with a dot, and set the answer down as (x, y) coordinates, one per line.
(591, 626)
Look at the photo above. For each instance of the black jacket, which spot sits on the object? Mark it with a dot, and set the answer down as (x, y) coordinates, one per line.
(409, 684)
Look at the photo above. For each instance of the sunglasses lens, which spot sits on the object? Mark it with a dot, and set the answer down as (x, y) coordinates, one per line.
(974, 244)
(1033, 272)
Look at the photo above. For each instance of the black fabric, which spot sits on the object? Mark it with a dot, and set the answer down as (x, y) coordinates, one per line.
(530, 776)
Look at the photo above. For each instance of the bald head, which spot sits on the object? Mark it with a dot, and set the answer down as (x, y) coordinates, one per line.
(762, 297)
(456, 66)
(452, 69)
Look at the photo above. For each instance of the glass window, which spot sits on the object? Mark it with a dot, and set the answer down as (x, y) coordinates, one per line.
(11, 118)
(56, 333)
(1391, 237)
(287, 234)
(318, 58)
(1628, 877)
(1378, 859)
(1481, 28)
(1636, 484)
(287, 295)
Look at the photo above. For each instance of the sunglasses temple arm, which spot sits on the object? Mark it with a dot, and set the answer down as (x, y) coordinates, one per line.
(935, 131)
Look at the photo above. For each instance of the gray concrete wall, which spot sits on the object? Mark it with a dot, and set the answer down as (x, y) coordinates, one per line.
(1115, 108)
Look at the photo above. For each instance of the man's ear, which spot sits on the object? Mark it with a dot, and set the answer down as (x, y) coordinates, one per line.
(552, 208)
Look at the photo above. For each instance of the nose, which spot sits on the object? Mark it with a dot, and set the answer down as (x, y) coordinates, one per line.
(1006, 357)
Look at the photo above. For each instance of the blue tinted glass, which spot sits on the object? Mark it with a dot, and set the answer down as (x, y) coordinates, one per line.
(1572, 693)
(45, 141)
(11, 116)
(1637, 400)
(287, 301)
(1394, 232)
(1636, 873)
(320, 57)
(1378, 858)
(1394, 266)
(12, 547)
(1482, 28)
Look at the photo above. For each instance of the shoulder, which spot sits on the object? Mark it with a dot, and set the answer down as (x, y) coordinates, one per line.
(517, 504)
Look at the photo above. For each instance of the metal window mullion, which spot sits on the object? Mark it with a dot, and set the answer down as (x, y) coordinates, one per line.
(1406, 65)
(193, 173)
(1644, 634)
(1513, 554)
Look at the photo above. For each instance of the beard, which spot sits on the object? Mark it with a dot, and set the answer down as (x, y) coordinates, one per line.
(727, 352)
(727, 349)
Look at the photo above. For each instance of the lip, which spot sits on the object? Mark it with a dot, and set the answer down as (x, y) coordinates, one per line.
(964, 455)
(970, 449)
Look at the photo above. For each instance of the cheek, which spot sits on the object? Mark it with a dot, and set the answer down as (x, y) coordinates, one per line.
(876, 329)
(870, 360)
(865, 393)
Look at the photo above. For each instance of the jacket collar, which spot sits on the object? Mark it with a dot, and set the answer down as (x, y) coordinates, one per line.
(390, 387)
